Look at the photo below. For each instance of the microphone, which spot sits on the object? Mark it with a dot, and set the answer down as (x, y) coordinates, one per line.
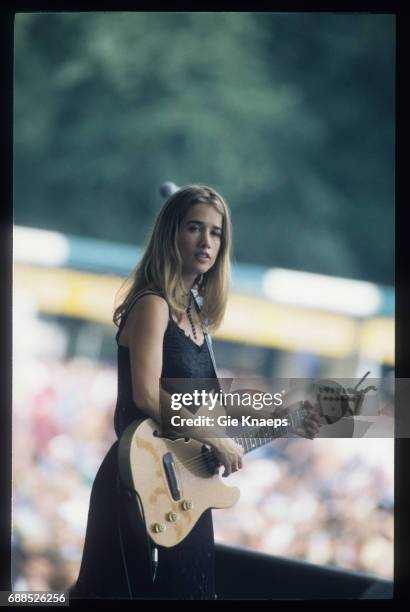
(167, 189)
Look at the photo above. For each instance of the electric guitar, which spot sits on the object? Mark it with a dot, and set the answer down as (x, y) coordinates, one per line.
(172, 482)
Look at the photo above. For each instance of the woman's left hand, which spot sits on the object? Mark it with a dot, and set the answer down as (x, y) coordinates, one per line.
(311, 424)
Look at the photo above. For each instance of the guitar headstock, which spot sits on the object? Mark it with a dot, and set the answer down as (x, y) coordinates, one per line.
(335, 402)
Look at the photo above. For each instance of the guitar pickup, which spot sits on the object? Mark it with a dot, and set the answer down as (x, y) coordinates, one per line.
(172, 479)
(211, 463)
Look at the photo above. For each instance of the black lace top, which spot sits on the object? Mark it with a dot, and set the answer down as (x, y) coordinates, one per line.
(181, 358)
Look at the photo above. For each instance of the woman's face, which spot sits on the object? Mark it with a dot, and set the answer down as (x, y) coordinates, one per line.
(199, 239)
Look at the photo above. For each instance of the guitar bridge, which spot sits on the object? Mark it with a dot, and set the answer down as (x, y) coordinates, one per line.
(173, 485)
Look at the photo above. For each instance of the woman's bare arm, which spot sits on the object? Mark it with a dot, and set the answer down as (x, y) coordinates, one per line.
(145, 329)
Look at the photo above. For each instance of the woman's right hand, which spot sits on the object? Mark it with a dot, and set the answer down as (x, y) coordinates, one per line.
(228, 453)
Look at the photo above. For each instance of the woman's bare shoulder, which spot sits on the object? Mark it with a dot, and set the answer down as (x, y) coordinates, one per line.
(149, 313)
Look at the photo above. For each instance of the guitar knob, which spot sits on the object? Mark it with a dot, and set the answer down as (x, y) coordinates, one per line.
(172, 517)
(158, 527)
(187, 504)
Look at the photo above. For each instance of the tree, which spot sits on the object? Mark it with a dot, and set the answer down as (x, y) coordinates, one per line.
(284, 113)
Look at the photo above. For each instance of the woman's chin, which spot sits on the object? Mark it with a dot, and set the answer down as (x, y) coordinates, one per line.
(201, 267)
(197, 268)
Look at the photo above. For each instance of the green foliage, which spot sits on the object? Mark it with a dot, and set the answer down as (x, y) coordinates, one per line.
(291, 116)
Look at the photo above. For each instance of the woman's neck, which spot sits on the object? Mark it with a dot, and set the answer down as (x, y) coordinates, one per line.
(188, 281)
(188, 284)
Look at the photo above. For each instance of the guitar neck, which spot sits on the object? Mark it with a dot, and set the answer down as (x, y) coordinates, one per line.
(263, 435)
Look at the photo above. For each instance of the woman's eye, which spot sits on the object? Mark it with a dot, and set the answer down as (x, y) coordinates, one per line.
(196, 228)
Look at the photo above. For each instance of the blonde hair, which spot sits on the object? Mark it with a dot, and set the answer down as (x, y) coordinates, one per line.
(160, 268)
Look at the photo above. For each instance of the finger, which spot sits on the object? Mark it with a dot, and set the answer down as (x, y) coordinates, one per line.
(308, 406)
(313, 416)
(313, 422)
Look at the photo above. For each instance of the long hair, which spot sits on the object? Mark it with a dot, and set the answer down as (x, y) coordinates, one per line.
(161, 265)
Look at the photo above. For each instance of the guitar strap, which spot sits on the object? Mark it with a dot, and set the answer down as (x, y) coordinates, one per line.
(199, 301)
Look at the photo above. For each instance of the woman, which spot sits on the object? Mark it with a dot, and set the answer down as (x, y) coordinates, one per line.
(161, 335)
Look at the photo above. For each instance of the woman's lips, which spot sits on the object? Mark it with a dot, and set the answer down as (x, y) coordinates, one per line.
(203, 257)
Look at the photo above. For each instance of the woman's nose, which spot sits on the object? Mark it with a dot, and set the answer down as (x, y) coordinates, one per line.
(205, 239)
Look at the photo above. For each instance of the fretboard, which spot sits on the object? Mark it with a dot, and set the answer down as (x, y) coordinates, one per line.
(263, 435)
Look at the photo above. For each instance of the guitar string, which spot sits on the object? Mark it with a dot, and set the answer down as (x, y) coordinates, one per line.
(244, 441)
(296, 421)
(199, 459)
(203, 460)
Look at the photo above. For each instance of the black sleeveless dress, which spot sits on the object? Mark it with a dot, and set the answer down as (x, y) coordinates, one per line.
(185, 571)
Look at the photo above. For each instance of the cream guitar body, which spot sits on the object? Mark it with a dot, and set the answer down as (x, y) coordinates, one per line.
(175, 481)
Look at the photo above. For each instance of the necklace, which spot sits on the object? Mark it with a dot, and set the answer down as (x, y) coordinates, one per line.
(188, 311)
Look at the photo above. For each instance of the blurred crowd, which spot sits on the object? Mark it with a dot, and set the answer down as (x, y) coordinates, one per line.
(324, 501)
